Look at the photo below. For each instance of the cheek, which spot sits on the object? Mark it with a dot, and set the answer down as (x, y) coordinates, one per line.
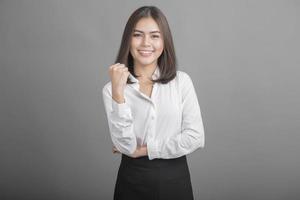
(159, 45)
(134, 43)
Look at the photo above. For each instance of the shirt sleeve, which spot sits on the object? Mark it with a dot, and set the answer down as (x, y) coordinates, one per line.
(192, 130)
(120, 123)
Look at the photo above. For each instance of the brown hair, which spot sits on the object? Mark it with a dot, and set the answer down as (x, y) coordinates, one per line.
(167, 61)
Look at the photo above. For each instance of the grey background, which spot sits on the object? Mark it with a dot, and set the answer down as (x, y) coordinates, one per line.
(243, 57)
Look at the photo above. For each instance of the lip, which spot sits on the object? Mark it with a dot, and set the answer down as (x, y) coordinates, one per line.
(145, 50)
(145, 53)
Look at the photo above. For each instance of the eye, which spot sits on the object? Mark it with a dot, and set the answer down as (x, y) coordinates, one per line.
(136, 35)
(155, 36)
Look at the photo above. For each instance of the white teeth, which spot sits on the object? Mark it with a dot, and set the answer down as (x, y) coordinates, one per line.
(146, 51)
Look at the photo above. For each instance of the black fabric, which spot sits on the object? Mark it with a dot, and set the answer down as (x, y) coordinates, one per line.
(157, 179)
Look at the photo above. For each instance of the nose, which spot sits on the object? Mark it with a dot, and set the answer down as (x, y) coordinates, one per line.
(146, 41)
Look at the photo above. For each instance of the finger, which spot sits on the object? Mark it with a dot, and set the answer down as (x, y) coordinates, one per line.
(115, 149)
(115, 65)
(119, 64)
(124, 71)
(112, 66)
(117, 68)
(126, 74)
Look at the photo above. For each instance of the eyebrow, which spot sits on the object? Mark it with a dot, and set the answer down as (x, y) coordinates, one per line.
(135, 30)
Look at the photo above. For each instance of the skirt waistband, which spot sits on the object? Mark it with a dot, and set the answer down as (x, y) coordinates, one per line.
(158, 162)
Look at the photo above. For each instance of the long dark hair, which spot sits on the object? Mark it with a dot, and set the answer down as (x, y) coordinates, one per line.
(167, 61)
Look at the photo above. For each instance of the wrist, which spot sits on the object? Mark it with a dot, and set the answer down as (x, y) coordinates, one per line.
(143, 151)
(119, 98)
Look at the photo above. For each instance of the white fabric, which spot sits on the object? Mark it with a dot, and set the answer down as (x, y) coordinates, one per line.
(169, 122)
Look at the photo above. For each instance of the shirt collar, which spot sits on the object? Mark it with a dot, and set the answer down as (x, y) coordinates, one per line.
(155, 75)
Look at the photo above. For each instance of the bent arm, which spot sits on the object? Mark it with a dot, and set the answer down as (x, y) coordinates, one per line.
(120, 123)
(191, 136)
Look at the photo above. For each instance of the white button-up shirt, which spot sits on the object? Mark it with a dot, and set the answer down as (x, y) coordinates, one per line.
(169, 122)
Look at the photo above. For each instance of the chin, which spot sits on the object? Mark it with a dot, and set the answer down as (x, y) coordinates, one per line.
(146, 63)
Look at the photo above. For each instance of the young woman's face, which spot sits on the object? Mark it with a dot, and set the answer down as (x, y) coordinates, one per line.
(146, 43)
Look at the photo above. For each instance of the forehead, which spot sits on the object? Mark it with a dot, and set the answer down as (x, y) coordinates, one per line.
(147, 25)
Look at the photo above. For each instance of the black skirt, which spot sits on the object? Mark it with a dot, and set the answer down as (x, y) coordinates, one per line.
(157, 179)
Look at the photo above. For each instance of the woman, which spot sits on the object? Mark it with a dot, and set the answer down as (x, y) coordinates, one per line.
(153, 113)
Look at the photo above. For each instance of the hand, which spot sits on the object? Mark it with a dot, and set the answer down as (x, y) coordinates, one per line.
(139, 152)
(118, 74)
(115, 150)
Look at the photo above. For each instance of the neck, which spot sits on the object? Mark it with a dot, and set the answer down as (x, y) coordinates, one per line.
(145, 72)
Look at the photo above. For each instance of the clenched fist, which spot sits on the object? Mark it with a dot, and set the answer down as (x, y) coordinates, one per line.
(118, 74)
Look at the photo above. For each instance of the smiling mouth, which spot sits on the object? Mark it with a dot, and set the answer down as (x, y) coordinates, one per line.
(145, 52)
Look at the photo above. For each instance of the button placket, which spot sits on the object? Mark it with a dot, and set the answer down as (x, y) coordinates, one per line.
(152, 123)
(153, 114)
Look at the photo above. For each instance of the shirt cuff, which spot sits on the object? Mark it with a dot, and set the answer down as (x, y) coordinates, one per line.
(152, 148)
(120, 108)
